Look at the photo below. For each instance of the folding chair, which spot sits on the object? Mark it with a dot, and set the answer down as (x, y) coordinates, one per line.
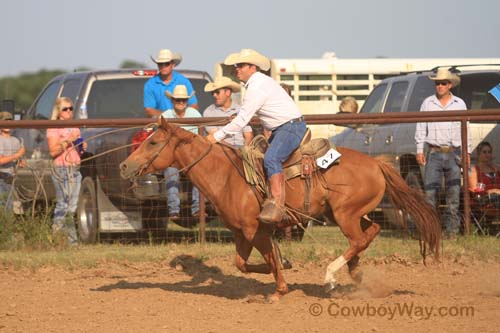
(485, 213)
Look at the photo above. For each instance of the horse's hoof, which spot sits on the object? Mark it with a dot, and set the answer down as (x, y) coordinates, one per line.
(286, 264)
(274, 298)
(329, 286)
(357, 276)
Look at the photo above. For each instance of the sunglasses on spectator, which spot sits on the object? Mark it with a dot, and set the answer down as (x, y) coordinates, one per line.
(241, 65)
(180, 100)
(160, 64)
(442, 83)
(68, 108)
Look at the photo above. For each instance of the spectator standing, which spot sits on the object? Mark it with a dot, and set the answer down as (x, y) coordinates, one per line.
(179, 98)
(66, 175)
(278, 112)
(155, 101)
(443, 140)
(224, 106)
(11, 151)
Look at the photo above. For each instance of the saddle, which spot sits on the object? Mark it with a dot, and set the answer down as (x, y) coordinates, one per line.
(302, 162)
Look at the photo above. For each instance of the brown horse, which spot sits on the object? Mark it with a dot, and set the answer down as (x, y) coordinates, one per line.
(351, 189)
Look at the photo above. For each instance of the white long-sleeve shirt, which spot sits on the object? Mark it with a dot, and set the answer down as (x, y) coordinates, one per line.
(441, 133)
(265, 98)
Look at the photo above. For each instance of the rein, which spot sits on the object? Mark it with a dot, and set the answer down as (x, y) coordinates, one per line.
(202, 156)
(186, 168)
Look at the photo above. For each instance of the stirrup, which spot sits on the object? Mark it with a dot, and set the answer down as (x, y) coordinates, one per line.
(271, 213)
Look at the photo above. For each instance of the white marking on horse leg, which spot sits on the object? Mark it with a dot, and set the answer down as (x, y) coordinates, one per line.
(333, 268)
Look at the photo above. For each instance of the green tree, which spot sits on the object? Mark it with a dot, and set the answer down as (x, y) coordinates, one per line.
(23, 89)
(132, 64)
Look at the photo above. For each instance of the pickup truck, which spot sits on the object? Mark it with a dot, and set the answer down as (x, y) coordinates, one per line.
(106, 203)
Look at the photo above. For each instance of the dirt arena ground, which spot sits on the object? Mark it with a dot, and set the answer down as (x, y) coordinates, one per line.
(212, 296)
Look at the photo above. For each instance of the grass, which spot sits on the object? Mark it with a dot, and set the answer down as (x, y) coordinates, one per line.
(319, 244)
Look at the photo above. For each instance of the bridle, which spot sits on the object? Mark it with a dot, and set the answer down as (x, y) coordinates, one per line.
(157, 153)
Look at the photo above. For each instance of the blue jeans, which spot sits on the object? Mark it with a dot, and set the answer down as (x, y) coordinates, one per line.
(172, 185)
(441, 165)
(67, 182)
(5, 195)
(284, 140)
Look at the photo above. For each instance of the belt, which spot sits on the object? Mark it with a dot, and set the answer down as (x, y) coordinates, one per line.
(296, 120)
(443, 148)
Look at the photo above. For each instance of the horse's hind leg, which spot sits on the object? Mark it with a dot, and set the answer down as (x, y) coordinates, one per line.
(371, 232)
(358, 241)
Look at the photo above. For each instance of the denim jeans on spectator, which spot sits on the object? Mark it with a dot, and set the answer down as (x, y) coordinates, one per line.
(441, 165)
(67, 182)
(284, 140)
(172, 185)
(5, 195)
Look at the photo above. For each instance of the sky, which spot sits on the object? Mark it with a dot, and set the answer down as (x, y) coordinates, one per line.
(100, 34)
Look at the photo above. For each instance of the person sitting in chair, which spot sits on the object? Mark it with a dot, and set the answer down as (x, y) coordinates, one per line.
(484, 177)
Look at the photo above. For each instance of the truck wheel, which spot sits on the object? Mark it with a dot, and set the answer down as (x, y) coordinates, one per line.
(87, 217)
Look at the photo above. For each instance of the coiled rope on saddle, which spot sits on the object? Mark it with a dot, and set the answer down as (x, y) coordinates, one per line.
(252, 156)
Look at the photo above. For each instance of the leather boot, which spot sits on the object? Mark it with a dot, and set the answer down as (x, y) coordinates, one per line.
(273, 209)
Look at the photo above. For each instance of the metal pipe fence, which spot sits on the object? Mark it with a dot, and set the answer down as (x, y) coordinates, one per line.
(105, 174)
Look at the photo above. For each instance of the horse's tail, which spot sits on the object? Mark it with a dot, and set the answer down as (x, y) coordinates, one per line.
(413, 202)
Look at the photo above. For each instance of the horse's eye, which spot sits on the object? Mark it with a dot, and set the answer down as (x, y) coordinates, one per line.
(153, 143)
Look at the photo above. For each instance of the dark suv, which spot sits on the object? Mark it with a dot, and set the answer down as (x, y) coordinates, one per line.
(406, 93)
(106, 203)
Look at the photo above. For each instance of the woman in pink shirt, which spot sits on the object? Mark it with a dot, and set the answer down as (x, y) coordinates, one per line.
(66, 170)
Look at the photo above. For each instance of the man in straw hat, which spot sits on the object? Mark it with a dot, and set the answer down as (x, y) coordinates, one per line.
(167, 79)
(278, 113)
(443, 140)
(179, 98)
(224, 106)
(11, 151)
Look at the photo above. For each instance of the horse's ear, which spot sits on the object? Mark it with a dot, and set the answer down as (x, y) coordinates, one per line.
(163, 122)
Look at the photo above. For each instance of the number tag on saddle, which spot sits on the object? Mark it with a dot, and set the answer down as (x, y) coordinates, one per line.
(326, 160)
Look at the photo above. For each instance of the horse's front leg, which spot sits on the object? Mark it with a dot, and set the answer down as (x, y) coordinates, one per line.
(263, 243)
(243, 250)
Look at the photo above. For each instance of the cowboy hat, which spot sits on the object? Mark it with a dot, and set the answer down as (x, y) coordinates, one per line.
(5, 115)
(166, 55)
(180, 92)
(248, 56)
(222, 82)
(443, 74)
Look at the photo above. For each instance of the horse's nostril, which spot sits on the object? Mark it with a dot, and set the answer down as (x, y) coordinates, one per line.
(123, 166)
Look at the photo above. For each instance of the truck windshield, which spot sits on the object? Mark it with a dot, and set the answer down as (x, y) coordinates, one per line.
(123, 98)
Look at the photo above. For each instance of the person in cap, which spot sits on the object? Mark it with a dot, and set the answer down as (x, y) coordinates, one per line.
(11, 151)
(224, 106)
(278, 113)
(443, 140)
(155, 101)
(179, 98)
